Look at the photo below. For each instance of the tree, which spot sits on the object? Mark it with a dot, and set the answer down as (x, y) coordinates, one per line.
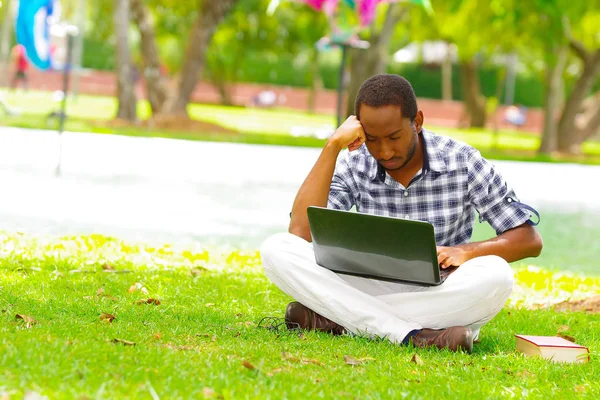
(196, 21)
(211, 13)
(568, 35)
(372, 61)
(570, 134)
(479, 29)
(156, 82)
(126, 99)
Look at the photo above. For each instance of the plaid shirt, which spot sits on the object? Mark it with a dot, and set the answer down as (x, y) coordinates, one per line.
(455, 181)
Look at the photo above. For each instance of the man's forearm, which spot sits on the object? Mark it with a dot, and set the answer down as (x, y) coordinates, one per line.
(513, 245)
(314, 191)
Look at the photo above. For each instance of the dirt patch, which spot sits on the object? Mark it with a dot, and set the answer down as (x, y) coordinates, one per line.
(590, 305)
(171, 123)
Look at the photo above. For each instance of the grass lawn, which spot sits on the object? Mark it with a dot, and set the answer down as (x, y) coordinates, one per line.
(256, 126)
(202, 340)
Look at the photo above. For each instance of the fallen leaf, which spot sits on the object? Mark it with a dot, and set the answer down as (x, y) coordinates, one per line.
(238, 315)
(156, 302)
(356, 361)
(210, 393)
(247, 323)
(34, 396)
(157, 336)
(123, 342)
(569, 338)
(416, 359)
(525, 374)
(107, 267)
(291, 357)
(580, 388)
(209, 305)
(138, 286)
(248, 365)
(197, 271)
(107, 317)
(29, 322)
(100, 292)
(563, 328)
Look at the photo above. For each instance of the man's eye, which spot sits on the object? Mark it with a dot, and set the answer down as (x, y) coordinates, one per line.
(369, 139)
(395, 138)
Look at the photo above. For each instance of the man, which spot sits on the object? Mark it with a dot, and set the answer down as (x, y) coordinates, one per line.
(395, 167)
(21, 65)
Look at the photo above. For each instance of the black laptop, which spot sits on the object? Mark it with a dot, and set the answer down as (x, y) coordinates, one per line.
(372, 246)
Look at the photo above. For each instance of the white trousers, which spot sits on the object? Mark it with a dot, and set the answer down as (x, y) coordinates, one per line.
(471, 296)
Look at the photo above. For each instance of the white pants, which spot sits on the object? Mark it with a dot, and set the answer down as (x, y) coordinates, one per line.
(471, 296)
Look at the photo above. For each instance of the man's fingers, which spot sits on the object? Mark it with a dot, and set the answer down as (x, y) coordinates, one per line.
(442, 257)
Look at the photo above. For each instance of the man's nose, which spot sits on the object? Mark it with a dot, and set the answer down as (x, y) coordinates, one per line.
(386, 152)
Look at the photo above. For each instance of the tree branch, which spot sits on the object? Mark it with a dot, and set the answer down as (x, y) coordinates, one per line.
(579, 49)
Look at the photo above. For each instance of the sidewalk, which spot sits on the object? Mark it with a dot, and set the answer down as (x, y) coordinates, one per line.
(437, 112)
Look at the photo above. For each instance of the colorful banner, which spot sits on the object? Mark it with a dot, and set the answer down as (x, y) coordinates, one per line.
(33, 30)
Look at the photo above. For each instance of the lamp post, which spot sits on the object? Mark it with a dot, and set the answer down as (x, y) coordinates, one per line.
(344, 43)
(69, 32)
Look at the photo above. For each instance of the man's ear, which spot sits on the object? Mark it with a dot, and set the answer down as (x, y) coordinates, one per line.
(418, 121)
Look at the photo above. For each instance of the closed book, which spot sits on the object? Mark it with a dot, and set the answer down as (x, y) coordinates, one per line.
(552, 348)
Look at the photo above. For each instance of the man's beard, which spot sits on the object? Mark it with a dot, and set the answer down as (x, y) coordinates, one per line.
(411, 151)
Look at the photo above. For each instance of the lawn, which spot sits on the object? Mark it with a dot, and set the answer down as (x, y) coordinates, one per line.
(204, 338)
(256, 126)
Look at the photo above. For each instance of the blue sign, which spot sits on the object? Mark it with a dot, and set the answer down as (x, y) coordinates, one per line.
(33, 31)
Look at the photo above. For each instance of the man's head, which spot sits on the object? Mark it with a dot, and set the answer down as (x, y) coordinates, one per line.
(386, 107)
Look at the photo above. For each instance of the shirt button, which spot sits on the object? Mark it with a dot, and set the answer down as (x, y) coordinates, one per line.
(405, 193)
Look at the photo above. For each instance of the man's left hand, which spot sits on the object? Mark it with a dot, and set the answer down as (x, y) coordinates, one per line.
(451, 256)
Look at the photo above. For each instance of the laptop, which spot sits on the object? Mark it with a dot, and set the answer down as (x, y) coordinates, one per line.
(376, 247)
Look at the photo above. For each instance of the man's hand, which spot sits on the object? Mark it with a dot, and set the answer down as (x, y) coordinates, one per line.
(350, 134)
(451, 256)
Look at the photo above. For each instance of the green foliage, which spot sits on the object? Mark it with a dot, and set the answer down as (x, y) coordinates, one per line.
(98, 54)
(249, 34)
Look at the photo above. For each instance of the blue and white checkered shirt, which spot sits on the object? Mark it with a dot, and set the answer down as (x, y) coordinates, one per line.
(455, 181)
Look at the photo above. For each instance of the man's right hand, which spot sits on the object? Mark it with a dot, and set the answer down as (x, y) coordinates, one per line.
(350, 134)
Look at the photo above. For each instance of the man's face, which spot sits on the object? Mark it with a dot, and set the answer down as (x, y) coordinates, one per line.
(391, 138)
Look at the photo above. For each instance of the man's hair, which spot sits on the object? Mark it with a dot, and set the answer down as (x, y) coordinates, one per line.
(387, 90)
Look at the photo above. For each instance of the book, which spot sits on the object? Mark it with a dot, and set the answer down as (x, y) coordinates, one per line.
(552, 348)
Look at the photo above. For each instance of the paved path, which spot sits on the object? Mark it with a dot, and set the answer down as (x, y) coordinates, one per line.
(172, 190)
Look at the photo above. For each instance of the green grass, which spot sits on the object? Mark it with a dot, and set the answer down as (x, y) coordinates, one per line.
(205, 329)
(257, 126)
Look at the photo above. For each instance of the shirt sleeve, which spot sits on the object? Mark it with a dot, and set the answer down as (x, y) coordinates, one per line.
(340, 195)
(495, 202)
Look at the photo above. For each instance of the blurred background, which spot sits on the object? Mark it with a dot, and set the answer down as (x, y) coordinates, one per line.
(175, 121)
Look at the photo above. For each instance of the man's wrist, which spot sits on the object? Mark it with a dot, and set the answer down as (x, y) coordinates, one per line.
(334, 145)
(470, 250)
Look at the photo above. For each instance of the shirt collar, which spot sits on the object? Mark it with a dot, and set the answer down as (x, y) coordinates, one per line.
(432, 159)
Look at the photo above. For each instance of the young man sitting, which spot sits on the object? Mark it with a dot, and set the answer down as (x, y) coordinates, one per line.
(395, 167)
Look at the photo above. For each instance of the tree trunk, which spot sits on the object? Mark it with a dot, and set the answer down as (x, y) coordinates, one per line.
(372, 61)
(554, 85)
(569, 141)
(156, 83)
(590, 119)
(125, 86)
(211, 14)
(474, 101)
(500, 82)
(315, 80)
(447, 74)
